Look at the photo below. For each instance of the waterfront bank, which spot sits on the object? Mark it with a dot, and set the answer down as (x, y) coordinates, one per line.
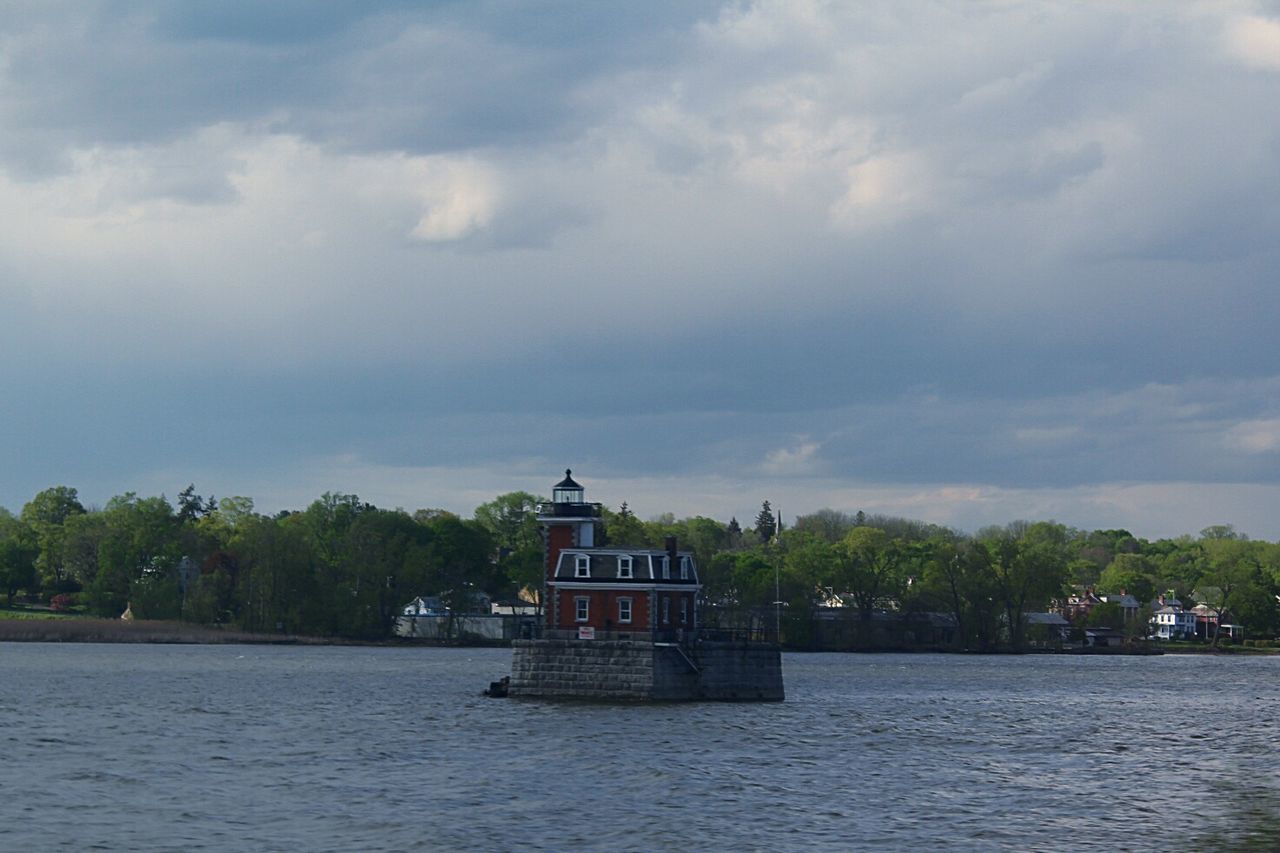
(88, 630)
(91, 630)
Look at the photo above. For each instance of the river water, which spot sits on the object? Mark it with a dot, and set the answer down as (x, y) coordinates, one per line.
(325, 748)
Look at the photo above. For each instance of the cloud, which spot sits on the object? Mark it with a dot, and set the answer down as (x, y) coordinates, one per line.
(1255, 436)
(969, 255)
(457, 203)
(1047, 436)
(1148, 510)
(788, 461)
(1255, 41)
(883, 190)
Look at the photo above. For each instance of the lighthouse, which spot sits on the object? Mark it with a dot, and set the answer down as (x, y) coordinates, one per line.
(620, 590)
(568, 522)
(622, 624)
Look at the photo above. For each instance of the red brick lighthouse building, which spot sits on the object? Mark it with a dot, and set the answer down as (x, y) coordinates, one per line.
(618, 591)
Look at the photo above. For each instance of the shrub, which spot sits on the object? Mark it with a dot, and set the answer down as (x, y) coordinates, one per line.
(62, 602)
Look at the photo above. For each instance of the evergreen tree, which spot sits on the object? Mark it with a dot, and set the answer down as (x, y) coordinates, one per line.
(766, 525)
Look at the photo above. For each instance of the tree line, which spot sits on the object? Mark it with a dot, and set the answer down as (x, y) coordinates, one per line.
(343, 567)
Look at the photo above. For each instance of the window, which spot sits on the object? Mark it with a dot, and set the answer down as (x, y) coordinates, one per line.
(582, 608)
(582, 566)
(666, 568)
(666, 611)
(684, 568)
(684, 611)
(624, 610)
(624, 567)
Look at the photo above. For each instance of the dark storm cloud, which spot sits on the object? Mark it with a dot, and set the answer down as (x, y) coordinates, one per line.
(418, 77)
(1001, 246)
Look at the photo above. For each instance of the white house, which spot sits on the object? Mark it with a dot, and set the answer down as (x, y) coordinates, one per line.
(425, 605)
(433, 605)
(1171, 622)
(517, 607)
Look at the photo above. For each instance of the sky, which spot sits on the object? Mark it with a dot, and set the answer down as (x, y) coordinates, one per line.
(964, 262)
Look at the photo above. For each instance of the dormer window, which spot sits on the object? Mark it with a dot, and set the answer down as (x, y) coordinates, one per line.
(625, 569)
(581, 566)
(684, 568)
(666, 568)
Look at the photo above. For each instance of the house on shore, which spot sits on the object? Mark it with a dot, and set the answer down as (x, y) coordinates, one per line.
(1169, 621)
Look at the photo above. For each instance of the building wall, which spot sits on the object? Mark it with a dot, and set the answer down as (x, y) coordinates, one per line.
(463, 628)
(646, 609)
(675, 598)
(559, 537)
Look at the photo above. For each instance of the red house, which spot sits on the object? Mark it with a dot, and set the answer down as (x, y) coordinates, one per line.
(614, 591)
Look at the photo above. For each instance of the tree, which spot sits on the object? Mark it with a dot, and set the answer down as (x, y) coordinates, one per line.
(191, 506)
(277, 573)
(1131, 573)
(956, 574)
(1234, 577)
(46, 514)
(82, 538)
(734, 531)
(1028, 562)
(828, 525)
(388, 553)
(1108, 614)
(704, 536)
(903, 529)
(18, 554)
(139, 548)
(622, 529)
(215, 530)
(459, 565)
(525, 571)
(1221, 532)
(511, 519)
(869, 570)
(766, 526)
(1083, 573)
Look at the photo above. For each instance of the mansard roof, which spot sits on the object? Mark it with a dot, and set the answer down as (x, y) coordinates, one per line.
(646, 566)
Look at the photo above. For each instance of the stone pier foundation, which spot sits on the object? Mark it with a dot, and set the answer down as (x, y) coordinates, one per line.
(642, 671)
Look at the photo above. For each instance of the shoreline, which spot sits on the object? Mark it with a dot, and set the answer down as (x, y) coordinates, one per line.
(167, 632)
(90, 630)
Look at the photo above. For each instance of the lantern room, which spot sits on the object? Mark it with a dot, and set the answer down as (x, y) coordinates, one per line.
(567, 491)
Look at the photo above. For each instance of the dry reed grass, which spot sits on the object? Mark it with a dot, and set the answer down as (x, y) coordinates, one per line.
(140, 631)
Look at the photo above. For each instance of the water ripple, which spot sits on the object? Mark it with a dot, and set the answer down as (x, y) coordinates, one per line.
(286, 748)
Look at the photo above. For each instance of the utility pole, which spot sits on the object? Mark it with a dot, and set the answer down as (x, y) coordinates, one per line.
(777, 583)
